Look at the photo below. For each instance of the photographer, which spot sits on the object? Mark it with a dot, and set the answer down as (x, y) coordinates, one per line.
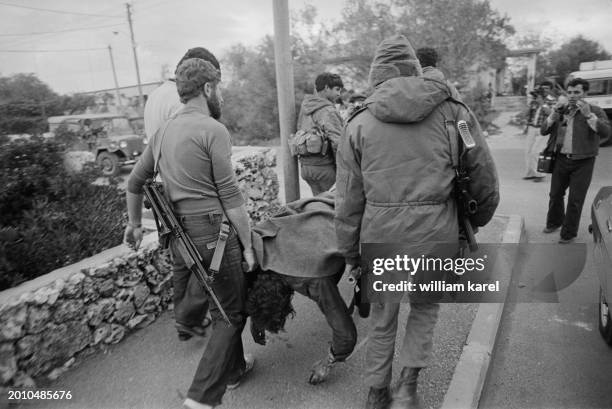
(575, 127)
(535, 142)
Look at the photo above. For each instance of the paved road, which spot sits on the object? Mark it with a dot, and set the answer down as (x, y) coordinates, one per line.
(548, 355)
(150, 368)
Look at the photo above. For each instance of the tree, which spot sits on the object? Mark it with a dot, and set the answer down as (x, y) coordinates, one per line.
(463, 32)
(26, 102)
(24, 87)
(467, 34)
(569, 56)
(363, 26)
(251, 108)
(250, 111)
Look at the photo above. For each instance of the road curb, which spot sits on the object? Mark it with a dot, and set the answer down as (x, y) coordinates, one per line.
(471, 371)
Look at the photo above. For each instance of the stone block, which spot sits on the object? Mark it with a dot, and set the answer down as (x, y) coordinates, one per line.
(12, 322)
(105, 287)
(162, 285)
(141, 292)
(90, 291)
(125, 294)
(23, 380)
(27, 345)
(129, 277)
(101, 333)
(74, 286)
(151, 304)
(38, 317)
(100, 311)
(69, 310)
(46, 295)
(8, 362)
(124, 311)
(103, 270)
(140, 321)
(117, 332)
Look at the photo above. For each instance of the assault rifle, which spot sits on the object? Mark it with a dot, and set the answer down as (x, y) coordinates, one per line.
(167, 227)
(466, 204)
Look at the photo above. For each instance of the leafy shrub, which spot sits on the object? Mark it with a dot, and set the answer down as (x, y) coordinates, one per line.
(59, 217)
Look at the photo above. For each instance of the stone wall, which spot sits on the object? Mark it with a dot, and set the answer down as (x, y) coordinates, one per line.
(48, 324)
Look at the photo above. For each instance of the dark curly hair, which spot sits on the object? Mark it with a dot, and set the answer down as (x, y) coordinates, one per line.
(191, 76)
(328, 79)
(269, 301)
(578, 81)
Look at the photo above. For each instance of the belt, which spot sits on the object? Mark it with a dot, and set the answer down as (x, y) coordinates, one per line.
(571, 156)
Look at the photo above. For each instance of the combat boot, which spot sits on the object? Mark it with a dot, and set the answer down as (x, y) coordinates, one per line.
(320, 370)
(378, 398)
(405, 394)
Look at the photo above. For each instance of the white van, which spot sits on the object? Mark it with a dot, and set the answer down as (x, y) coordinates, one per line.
(599, 76)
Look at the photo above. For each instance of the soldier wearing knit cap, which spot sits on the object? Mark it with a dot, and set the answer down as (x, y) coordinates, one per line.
(395, 185)
(192, 153)
(191, 311)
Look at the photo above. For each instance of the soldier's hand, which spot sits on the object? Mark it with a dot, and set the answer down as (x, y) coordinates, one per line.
(249, 258)
(132, 236)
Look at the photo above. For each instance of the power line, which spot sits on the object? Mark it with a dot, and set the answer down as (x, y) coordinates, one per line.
(52, 51)
(59, 11)
(60, 31)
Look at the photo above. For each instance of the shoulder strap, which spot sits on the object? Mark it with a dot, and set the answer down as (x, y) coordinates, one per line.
(355, 112)
(455, 143)
(158, 156)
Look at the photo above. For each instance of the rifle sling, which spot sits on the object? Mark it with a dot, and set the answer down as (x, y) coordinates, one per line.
(224, 233)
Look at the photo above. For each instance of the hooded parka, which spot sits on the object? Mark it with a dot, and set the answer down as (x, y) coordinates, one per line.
(395, 175)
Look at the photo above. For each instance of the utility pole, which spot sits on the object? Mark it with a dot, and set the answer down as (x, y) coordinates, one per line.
(129, 16)
(110, 52)
(286, 96)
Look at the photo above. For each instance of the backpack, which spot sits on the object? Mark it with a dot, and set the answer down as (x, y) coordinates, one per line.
(308, 142)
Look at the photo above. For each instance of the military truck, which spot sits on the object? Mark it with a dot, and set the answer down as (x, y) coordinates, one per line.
(110, 137)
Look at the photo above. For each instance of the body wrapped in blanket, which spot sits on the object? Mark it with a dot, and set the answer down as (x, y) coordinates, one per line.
(297, 251)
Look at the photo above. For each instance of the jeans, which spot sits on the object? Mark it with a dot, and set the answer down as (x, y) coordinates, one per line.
(190, 299)
(575, 174)
(223, 359)
(324, 291)
(417, 346)
(320, 178)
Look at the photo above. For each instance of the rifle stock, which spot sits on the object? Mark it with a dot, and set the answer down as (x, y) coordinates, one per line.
(168, 226)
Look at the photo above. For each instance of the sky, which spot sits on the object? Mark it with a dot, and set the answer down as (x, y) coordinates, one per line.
(165, 29)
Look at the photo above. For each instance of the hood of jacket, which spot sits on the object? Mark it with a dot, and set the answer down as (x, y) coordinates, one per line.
(312, 103)
(407, 99)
